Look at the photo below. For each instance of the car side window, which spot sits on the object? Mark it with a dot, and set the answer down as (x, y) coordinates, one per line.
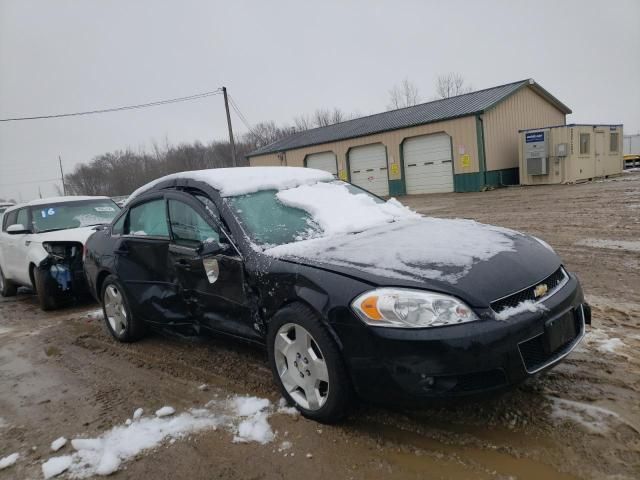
(188, 227)
(149, 219)
(118, 227)
(9, 219)
(23, 217)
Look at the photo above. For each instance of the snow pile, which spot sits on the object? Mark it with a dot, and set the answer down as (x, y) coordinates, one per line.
(526, 306)
(629, 245)
(600, 340)
(594, 419)
(58, 443)
(246, 417)
(9, 460)
(243, 180)
(414, 249)
(165, 412)
(356, 212)
(610, 346)
(56, 465)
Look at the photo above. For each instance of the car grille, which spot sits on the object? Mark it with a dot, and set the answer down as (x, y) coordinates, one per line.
(552, 281)
(534, 352)
(480, 381)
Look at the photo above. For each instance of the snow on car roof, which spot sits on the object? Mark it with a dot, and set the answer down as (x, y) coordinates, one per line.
(61, 199)
(242, 180)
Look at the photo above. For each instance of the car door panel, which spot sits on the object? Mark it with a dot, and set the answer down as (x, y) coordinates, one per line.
(221, 304)
(143, 265)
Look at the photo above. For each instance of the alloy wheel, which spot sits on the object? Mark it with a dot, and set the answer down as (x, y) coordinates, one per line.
(301, 366)
(115, 309)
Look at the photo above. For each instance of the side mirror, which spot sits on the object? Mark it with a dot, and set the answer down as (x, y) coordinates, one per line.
(17, 228)
(209, 249)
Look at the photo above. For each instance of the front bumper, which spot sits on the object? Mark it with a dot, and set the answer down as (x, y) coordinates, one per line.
(400, 365)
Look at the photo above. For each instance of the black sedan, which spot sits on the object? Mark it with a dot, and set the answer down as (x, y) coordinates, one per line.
(352, 295)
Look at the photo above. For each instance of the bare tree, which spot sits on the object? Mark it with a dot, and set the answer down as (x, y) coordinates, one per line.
(403, 95)
(450, 85)
(302, 123)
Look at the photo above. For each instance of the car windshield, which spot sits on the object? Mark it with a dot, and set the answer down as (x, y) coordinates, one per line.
(269, 222)
(62, 216)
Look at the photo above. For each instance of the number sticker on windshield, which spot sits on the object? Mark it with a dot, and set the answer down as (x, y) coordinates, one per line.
(104, 209)
(47, 213)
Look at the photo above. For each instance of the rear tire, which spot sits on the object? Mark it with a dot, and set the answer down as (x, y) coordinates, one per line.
(46, 298)
(7, 287)
(120, 322)
(308, 365)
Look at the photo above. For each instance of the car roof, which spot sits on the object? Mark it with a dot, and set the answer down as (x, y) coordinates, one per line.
(56, 200)
(240, 180)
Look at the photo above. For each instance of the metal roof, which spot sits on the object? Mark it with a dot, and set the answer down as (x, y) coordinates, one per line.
(436, 111)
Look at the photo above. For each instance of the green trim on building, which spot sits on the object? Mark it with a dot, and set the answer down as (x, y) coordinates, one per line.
(506, 176)
(396, 188)
(468, 182)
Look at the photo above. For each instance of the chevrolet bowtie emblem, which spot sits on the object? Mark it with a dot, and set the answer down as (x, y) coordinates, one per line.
(540, 290)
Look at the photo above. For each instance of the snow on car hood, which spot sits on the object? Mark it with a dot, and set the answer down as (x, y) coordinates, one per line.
(417, 248)
(80, 234)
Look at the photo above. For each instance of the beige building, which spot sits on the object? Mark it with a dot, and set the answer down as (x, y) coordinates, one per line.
(570, 153)
(463, 143)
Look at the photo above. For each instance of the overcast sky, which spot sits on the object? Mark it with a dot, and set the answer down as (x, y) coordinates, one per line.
(281, 59)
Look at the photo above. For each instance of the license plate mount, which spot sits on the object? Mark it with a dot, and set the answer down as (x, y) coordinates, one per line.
(559, 331)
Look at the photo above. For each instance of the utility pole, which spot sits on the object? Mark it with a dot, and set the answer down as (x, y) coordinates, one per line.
(64, 187)
(233, 144)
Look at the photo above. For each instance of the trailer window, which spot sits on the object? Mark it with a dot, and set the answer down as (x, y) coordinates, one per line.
(585, 139)
(613, 142)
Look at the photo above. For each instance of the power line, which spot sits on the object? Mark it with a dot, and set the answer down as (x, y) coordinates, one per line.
(29, 181)
(242, 118)
(117, 109)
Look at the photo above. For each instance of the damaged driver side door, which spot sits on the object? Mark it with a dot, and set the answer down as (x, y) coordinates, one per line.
(209, 268)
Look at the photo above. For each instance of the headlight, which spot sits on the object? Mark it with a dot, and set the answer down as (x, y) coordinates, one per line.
(404, 308)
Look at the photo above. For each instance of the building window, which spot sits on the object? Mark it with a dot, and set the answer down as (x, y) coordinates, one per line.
(613, 142)
(585, 139)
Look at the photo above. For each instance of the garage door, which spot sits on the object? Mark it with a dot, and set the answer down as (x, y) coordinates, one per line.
(323, 161)
(427, 164)
(368, 168)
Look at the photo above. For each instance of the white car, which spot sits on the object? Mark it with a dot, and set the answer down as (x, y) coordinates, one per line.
(4, 206)
(42, 245)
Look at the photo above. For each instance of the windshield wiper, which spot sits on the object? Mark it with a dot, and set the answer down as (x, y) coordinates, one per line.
(52, 230)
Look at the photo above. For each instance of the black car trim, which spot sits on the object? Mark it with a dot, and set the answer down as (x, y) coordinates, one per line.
(549, 294)
(566, 351)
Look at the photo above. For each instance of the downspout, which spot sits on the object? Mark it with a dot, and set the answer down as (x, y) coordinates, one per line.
(482, 158)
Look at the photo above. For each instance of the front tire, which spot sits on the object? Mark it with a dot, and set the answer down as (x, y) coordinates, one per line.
(7, 287)
(46, 297)
(120, 322)
(307, 364)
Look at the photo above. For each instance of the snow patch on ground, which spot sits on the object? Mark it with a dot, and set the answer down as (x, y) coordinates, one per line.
(245, 417)
(97, 313)
(56, 465)
(593, 418)
(244, 180)
(629, 245)
(58, 443)
(526, 306)
(600, 340)
(9, 460)
(165, 412)
(414, 249)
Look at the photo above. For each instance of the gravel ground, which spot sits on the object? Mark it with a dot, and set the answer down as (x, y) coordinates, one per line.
(61, 374)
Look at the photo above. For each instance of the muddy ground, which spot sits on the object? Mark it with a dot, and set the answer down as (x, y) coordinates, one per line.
(61, 374)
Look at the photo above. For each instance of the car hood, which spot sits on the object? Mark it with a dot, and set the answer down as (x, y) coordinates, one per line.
(80, 234)
(476, 262)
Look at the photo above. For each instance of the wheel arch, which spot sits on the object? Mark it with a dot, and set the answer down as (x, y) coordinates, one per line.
(102, 276)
